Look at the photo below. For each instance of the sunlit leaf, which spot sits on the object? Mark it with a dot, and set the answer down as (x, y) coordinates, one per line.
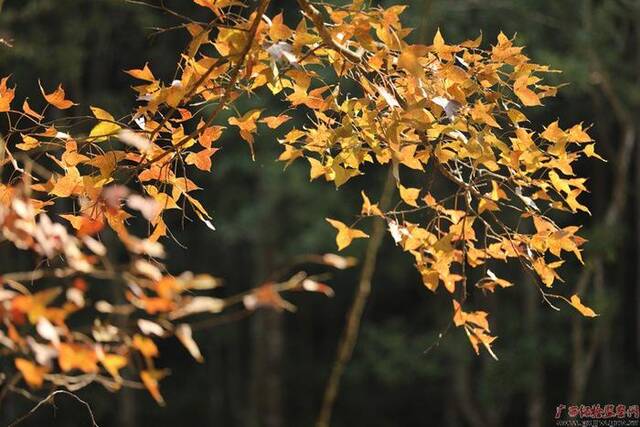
(586, 311)
(57, 98)
(345, 234)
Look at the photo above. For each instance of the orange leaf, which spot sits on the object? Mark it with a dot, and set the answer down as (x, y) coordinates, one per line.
(409, 60)
(85, 225)
(56, 98)
(209, 135)
(586, 311)
(32, 373)
(278, 31)
(27, 109)
(142, 74)
(150, 380)
(526, 95)
(6, 95)
(28, 143)
(113, 363)
(275, 121)
(76, 356)
(145, 345)
(267, 296)
(201, 159)
(247, 122)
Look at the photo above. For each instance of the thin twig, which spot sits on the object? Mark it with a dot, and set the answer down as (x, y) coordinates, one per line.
(315, 17)
(235, 74)
(50, 399)
(352, 328)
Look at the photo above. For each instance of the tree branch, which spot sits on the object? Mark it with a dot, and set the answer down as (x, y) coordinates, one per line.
(235, 74)
(354, 317)
(314, 15)
(50, 399)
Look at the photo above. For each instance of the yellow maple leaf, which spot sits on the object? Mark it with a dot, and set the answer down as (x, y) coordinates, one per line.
(409, 195)
(105, 128)
(526, 95)
(368, 208)
(586, 311)
(345, 234)
(142, 73)
(590, 151)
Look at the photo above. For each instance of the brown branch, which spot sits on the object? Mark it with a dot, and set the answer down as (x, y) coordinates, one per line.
(354, 317)
(314, 15)
(50, 399)
(191, 93)
(9, 384)
(235, 74)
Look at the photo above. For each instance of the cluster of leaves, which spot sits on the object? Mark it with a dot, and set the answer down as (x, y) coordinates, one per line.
(445, 112)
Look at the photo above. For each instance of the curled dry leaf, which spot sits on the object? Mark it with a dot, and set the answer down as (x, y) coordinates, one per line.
(6, 95)
(339, 262)
(185, 335)
(148, 206)
(314, 286)
(148, 269)
(133, 139)
(586, 311)
(267, 296)
(195, 305)
(199, 281)
(47, 331)
(150, 328)
(57, 98)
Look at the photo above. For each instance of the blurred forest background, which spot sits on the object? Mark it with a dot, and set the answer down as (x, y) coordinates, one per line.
(270, 369)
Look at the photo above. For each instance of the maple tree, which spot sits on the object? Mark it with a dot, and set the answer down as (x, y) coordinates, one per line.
(446, 114)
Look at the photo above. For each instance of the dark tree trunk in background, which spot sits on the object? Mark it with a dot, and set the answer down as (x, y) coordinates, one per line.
(535, 410)
(127, 398)
(267, 333)
(637, 244)
(451, 415)
(127, 408)
(637, 221)
(637, 211)
(268, 341)
(8, 411)
(464, 395)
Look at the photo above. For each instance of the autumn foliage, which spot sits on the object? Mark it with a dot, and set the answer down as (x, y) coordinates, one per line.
(439, 116)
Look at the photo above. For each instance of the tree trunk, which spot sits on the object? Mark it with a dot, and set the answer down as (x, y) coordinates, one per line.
(464, 395)
(268, 340)
(535, 409)
(637, 216)
(267, 332)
